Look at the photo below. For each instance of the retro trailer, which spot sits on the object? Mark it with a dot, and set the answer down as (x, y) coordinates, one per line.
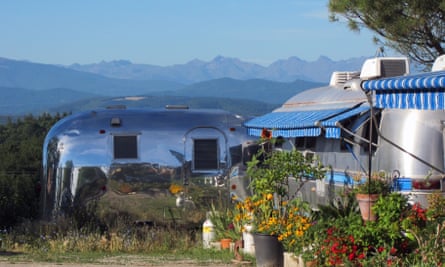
(379, 120)
(153, 166)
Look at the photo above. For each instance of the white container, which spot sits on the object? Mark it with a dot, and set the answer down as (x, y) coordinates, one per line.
(249, 245)
(208, 233)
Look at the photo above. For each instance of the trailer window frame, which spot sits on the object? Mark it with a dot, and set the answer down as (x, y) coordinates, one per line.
(206, 154)
(125, 146)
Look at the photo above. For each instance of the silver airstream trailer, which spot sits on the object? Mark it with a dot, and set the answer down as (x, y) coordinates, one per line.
(377, 120)
(150, 165)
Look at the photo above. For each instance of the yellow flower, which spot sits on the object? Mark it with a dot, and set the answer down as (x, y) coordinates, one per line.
(175, 188)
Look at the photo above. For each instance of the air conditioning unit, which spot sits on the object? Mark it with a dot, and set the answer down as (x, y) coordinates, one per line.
(341, 77)
(381, 67)
(439, 63)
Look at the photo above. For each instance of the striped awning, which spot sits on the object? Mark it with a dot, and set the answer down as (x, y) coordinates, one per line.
(430, 80)
(424, 91)
(330, 124)
(302, 123)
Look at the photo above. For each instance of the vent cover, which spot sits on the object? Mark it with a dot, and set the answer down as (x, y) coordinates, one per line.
(384, 67)
(439, 63)
(341, 77)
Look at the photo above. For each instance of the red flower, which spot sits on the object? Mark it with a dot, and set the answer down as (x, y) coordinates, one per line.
(351, 256)
(351, 239)
(266, 134)
(393, 251)
(381, 249)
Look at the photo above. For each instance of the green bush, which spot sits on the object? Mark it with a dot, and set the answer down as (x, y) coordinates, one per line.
(21, 144)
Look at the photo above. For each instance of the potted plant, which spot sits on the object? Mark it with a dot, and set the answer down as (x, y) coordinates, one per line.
(224, 227)
(368, 190)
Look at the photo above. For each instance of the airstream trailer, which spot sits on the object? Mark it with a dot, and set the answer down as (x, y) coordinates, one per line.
(150, 165)
(378, 120)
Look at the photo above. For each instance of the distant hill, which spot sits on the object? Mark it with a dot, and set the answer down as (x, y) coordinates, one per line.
(15, 101)
(285, 70)
(256, 89)
(252, 96)
(21, 74)
(227, 83)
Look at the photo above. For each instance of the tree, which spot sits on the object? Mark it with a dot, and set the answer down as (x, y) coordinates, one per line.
(21, 145)
(415, 28)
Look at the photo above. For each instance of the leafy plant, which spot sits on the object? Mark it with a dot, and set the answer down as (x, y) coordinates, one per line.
(271, 185)
(378, 183)
(223, 223)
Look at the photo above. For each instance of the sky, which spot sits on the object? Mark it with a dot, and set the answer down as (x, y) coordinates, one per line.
(168, 32)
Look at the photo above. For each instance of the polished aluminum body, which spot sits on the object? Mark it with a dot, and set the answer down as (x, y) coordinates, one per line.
(149, 165)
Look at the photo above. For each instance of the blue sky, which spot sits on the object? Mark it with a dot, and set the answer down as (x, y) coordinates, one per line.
(167, 32)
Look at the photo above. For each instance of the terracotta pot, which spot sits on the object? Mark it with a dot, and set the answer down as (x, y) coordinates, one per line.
(312, 263)
(365, 202)
(225, 243)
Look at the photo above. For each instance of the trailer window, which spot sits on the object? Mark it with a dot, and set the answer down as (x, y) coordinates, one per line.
(205, 155)
(305, 142)
(125, 147)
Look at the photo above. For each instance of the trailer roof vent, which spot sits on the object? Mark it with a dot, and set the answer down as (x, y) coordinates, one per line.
(176, 107)
(439, 63)
(341, 77)
(381, 67)
(115, 122)
(117, 107)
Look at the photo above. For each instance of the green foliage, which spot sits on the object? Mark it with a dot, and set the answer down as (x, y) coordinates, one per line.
(411, 27)
(340, 236)
(21, 144)
(378, 183)
(223, 224)
(273, 174)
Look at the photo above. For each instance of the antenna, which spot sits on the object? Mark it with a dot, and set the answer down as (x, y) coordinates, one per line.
(380, 52)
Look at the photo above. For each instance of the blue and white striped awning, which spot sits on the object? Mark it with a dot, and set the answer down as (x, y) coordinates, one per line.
(430, 80)
(302, 123)
(421, 91)
(330, 124)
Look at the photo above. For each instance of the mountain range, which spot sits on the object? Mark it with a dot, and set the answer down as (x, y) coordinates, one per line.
(287, 70)
(227, 83)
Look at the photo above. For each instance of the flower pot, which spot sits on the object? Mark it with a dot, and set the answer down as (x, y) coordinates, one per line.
(225, 243)
(268, 250)
(290, 260)
(312, 263)
(365, 202)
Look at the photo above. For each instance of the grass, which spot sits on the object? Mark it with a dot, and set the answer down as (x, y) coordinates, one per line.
(198, 256)
(63, 243)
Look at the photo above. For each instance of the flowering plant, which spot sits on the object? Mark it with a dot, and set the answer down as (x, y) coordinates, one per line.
(175, 189)
(295, 222)
(276, 178)
(378, 183)
(223, 224)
